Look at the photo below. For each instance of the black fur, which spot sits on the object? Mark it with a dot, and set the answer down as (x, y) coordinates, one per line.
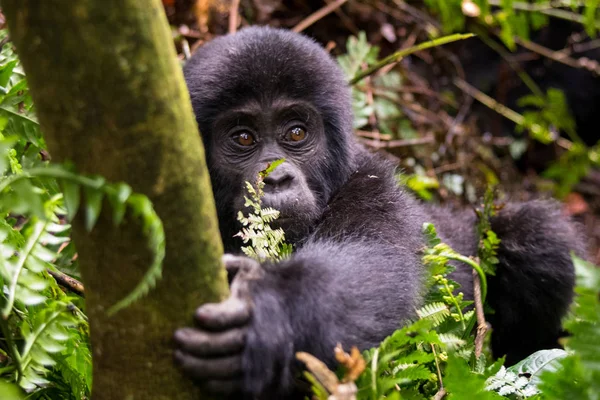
(356, 273)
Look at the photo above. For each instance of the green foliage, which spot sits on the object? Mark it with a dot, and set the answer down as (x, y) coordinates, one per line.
(488, 241)
(380, 104)
(572, 166)
(463, 384)
(360, 53)
(9, 391)
(266, 243)
(522, 379)
(17, 114)
(35, 311)
(578, 376)
(549, 115)
(591, 17)
(95, 189)
(421, 185)
(412, 359)
(514, 18)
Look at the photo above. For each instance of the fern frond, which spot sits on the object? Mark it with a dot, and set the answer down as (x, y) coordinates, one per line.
(452, 341)
(435, 312)
(46, 335)
(152, 227)
(21, 272)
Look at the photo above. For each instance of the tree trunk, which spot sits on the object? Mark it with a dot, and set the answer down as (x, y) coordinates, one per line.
(110, 97)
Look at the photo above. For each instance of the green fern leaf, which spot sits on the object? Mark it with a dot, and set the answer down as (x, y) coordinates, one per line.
(152, 227)
(435, 312)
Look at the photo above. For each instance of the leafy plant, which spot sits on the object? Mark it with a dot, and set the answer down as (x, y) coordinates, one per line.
(578, 375)
(35, 311)
(572, 166)
(120, 197)
(522, 379)
(513, 18)
(265, 242)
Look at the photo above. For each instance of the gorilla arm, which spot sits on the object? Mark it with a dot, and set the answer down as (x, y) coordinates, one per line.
(341, 286)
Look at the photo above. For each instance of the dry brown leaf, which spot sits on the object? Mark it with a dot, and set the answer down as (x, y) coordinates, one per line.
(318, 368)
(354, 363)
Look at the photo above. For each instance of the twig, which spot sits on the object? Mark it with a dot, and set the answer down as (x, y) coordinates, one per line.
(317, 15)
(233, 16)
(416, 13)
(346, 20)
(503, 110)
(374, 135)
(510, 60)
(185, 48)
(481, 324)
(468, 101)
(560, 56)
(437, 367)
(397, 56)
(586, 46)
(70, 283)
(440, 394)
(489, 102)
(429, 139)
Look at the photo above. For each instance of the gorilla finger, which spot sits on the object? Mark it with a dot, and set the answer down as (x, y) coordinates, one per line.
(208, 368)
(221, 316)
(201, 343)
(234, 264)
(223, 387)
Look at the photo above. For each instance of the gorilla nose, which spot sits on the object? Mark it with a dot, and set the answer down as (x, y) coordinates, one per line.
(278, 180)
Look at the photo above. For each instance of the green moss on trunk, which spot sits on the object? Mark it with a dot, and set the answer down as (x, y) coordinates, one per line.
(110, 97)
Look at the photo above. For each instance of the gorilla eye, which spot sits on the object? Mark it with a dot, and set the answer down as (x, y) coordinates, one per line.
(296, 134)
(244, 139)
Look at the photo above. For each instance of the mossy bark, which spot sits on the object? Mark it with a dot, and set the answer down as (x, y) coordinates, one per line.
(110, 97)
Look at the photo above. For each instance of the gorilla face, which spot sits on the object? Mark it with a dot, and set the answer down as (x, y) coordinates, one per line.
(245, 139)
(263, 95)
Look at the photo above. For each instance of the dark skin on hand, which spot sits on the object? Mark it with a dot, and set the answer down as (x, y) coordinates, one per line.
(221, 333)
(356, 274)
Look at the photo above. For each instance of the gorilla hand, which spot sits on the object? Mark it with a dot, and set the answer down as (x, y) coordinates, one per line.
(211, 353)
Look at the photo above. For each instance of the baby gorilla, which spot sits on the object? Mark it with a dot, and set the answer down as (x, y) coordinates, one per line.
(356, 273)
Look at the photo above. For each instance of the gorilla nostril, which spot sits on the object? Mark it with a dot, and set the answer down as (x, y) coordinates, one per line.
(280, 181)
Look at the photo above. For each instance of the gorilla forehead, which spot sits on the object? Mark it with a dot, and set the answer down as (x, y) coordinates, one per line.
(263, 64)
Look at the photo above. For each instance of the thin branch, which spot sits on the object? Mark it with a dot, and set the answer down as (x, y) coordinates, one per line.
(481, 324)
(397, 56)
(510, 60)
(317, 15)
(489, 102)
(440, 394)
(374, 135)
(503, 110)
(416, 13)
(68, 282)
(429, 139)
(437, 367)
(561, 57)
(233, 16)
